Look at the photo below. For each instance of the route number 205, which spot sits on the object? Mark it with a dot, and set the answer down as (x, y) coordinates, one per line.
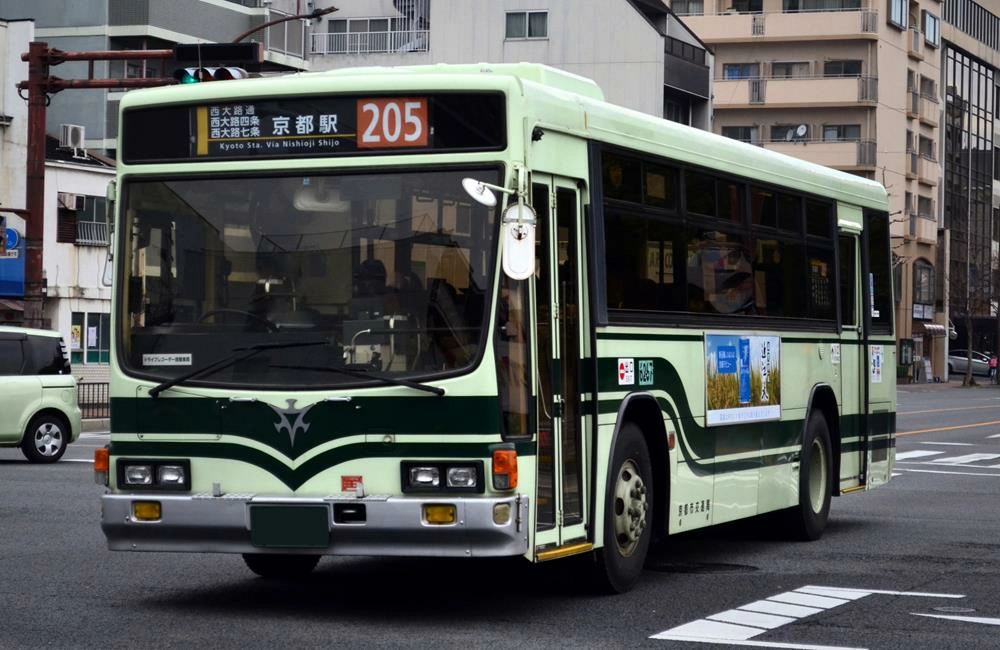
(395, 122)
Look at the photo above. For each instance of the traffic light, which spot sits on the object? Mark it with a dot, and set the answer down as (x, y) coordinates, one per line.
(200, 62)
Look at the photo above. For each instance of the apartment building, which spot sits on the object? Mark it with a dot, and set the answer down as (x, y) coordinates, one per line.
(147, 24)
(639, 53)
(855, 85)
(970, 237)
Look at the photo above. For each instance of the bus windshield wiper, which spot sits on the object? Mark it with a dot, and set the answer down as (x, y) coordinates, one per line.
(225, 362)
(362, 374)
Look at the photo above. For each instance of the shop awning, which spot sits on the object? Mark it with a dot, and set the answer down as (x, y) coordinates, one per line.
(931, 329)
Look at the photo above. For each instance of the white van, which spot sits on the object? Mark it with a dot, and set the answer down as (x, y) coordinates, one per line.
(38, 402)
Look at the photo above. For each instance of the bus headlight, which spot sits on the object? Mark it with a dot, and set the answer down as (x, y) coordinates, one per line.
(138, 474)
(170, 475)
(442, 476)
(148, 474)
(425, 477)
(462, 477)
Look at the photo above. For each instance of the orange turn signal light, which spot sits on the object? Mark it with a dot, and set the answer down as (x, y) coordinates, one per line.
(504, 469)
(101, 459)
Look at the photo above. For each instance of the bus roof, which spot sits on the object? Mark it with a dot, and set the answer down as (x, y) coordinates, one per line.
(556, 100)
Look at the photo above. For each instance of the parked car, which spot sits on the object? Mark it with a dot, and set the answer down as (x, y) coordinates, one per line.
(957, 360)
(38, 402)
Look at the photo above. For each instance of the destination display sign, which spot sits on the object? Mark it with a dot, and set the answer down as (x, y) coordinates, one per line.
(315, 126)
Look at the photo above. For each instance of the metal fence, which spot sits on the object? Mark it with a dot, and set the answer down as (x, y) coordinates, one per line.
(94, 400)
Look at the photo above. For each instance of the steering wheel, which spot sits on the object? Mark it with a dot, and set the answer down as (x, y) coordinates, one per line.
(270, 325)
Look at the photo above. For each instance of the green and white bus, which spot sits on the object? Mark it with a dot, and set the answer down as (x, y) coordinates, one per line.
(474, 311)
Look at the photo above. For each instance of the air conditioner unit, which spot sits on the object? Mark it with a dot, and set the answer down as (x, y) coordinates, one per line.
(70, 201)
(72, 136)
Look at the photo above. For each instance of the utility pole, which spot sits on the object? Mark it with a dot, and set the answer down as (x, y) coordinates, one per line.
(39, 86)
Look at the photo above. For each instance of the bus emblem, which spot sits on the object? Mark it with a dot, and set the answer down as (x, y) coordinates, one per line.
(292, 426)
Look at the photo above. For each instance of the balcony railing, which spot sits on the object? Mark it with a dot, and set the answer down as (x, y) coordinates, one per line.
(91, 233)
(414, 40)
(286, 38)
(733, 26)
(845, 154)
(913, 105)
(929, 108)
(916, 44)
(798, 90)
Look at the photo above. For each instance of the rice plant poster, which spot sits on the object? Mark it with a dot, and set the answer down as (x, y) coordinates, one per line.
(743, 378)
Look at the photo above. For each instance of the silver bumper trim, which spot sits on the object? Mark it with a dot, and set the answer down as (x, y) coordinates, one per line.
(393, 525)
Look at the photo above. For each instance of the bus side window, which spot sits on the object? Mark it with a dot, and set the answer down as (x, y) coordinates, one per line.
(848, 269)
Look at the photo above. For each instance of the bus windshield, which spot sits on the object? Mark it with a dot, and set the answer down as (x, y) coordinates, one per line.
(390, 272)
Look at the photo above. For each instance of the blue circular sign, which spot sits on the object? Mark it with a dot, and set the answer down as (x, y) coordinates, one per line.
(13, 239)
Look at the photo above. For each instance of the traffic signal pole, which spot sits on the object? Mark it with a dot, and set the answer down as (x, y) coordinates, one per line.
(39, 86)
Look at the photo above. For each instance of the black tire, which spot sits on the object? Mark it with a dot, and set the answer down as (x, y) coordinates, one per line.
(628, 513)
(278, 567)
(807, 520)
(45, 439)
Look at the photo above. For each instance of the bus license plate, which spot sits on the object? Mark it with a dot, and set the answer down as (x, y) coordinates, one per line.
(284, 526)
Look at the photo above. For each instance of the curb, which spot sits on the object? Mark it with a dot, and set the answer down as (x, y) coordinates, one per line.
(96, 424)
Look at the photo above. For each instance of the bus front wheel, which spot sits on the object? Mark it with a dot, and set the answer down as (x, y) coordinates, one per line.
(628, 513)
(808, 519)
(280, 566)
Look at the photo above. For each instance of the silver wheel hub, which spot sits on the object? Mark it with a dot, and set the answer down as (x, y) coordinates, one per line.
(630, 508)
(48, 439)
(817, 476)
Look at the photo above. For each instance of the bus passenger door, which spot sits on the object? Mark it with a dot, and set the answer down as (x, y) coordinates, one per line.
(560, 512)
(850, 366)
(880, 347)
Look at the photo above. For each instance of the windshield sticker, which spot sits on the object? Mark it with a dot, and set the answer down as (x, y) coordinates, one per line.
(876, 364)
(166, 359)
(743, 378)
(626, 372)
(646, 372)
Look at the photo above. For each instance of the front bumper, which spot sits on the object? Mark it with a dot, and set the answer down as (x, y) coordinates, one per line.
(393, 525)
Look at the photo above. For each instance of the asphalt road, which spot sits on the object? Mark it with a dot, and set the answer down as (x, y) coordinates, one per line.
(892, 562)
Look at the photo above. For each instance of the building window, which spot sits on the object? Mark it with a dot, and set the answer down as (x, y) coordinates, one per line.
(923, 283)
(689, 7)
(677, 110)
(926, 149)
(897, 13)
(845, 68)
(742, 133)
(789, 69)
(928, 88)
(748, 6)
(925, 207)
(90, 338)
(932, 29)
(527, 24)
(741, 71)
(687, 51)
(841, 132)
(789, 132)
(820, 5)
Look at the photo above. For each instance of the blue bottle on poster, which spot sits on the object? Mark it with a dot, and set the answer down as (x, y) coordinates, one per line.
(744, 371)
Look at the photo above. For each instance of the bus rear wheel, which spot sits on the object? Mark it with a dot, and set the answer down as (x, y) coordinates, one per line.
(628, 513)
(274, 566)
(807, 521)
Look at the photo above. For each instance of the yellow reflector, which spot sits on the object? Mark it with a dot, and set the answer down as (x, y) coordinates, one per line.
(436, 513)
(501, 514)
(146, 510)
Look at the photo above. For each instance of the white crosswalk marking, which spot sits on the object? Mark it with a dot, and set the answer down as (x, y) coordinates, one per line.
(964, 460)
(917, 453)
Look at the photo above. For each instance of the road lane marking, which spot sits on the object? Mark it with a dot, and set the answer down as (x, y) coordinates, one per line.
(965, 619)
(941, 471)
(738, 626)
(951, 428)
(750, 643)
(916, 453)
(963, 460)
(954, 408)
(77, 460)
(948, 444)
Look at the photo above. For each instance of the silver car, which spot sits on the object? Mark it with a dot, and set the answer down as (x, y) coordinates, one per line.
(957, 360)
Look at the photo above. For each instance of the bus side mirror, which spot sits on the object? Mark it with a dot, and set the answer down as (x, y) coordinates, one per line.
(109, 219)
(518, 255)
